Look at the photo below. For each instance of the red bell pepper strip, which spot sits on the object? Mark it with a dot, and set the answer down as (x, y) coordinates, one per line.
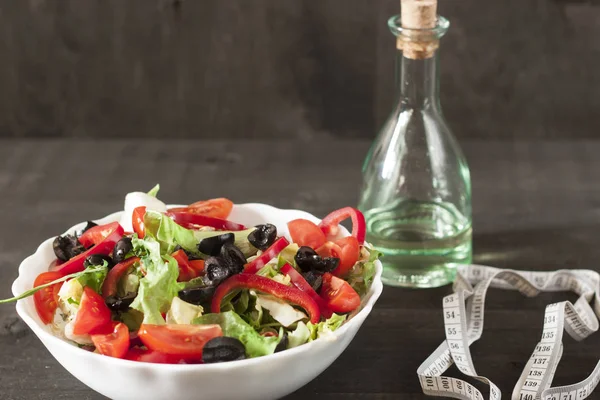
(301, 283)
(105, 247)
(266, 285)
(330, 225)
(277, 247)
(190, 220)
(109, 287)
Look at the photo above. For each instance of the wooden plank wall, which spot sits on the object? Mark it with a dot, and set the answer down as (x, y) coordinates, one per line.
(288, 68)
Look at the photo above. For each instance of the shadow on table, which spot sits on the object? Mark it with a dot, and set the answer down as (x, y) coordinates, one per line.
(539, 249)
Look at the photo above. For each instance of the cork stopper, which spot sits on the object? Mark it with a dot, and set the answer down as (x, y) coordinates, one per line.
(418, 15)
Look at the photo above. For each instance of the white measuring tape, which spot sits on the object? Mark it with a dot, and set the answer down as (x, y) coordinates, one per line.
(463, 322)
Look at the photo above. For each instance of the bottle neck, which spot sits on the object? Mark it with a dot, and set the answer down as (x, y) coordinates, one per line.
(418, 81)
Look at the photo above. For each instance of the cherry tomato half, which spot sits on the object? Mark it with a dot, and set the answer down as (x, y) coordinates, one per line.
(182, 340)
(46, 299)
(137, 221)
(93, 315)
(350, 250)
(151, 356)
(338, 294)
(217, 208)
(113, 344)
(188, 269)
(306, 233)
(109, 287)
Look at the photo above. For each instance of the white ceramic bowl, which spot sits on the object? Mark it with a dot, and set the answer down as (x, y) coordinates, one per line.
(268, 377)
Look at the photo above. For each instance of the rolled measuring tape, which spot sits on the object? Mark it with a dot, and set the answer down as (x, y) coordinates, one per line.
(463, 323)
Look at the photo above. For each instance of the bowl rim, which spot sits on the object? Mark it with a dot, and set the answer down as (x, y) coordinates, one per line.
(20, 285)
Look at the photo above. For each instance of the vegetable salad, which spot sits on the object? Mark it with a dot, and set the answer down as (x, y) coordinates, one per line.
(187, 285)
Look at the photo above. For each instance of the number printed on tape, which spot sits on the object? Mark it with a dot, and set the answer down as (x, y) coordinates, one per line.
(463, 326)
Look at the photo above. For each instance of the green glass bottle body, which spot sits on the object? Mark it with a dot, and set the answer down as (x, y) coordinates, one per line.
(416, 193)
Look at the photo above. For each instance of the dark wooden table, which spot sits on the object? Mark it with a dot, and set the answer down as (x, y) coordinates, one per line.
(536, 206)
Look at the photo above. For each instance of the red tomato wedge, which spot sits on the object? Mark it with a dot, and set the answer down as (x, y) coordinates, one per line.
(330, 249)
(339, 295)
(330, 225)
(93, 315)
(137, 221)
(217, 208)
(109, 287)
(46, 299)
(151, 356)
(350, 251)
(96, 234)
(182, 340)
(306, 233)
(105, 247)
(113, 344)
(197, 266)
(186, 271)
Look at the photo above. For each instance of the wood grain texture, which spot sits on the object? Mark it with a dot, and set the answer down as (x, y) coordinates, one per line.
(536, 206)
(295, 69)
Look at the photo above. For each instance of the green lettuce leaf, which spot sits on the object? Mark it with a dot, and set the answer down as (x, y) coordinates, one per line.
(254, 312)
(154, 191)
(234, 326)
(95, 279)
(159, 286)
(132, 318)
(326, 327)
(362, 274)
(281, 311)
(287, 255)
(242, 303)
(169, 234)
(299, 336)
(271, 270)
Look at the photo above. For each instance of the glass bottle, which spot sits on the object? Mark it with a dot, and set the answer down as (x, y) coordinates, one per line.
(416, 193)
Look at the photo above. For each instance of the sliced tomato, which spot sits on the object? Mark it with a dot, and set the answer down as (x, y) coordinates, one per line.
(113, 344)
(217, 208)
(197, 266)
(93, 315)
(350, 251)
(97, 234)
(186, 271)
(330, 249)
(109, 287)
(306, 233)
(339, 295)
(182, 340)
(151, 356)
(137, 221)
(46, 299)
